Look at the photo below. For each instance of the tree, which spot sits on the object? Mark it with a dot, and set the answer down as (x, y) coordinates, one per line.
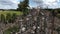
(22, 6)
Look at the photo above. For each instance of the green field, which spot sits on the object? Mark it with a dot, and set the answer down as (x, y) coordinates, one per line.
(11, 12)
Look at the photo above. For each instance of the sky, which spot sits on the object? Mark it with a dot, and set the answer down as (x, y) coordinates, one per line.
(13, 4)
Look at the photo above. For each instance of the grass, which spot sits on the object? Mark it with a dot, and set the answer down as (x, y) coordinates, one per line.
(11, 12)
(13, 29)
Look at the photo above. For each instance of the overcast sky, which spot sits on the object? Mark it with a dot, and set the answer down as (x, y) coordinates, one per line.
(12, 4)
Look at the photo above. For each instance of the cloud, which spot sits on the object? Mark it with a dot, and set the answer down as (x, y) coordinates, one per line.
(12, 4)
(49, 3)
(8, 4)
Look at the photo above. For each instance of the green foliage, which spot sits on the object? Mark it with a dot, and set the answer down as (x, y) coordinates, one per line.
(2, 18)
(22, 6)
(11, 12)
(8, 18)
(11, 29)
(13, 17)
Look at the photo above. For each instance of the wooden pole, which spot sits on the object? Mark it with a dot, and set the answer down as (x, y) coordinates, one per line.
(53, 17)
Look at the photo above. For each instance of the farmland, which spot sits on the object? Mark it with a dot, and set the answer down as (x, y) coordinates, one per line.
(11, 12)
